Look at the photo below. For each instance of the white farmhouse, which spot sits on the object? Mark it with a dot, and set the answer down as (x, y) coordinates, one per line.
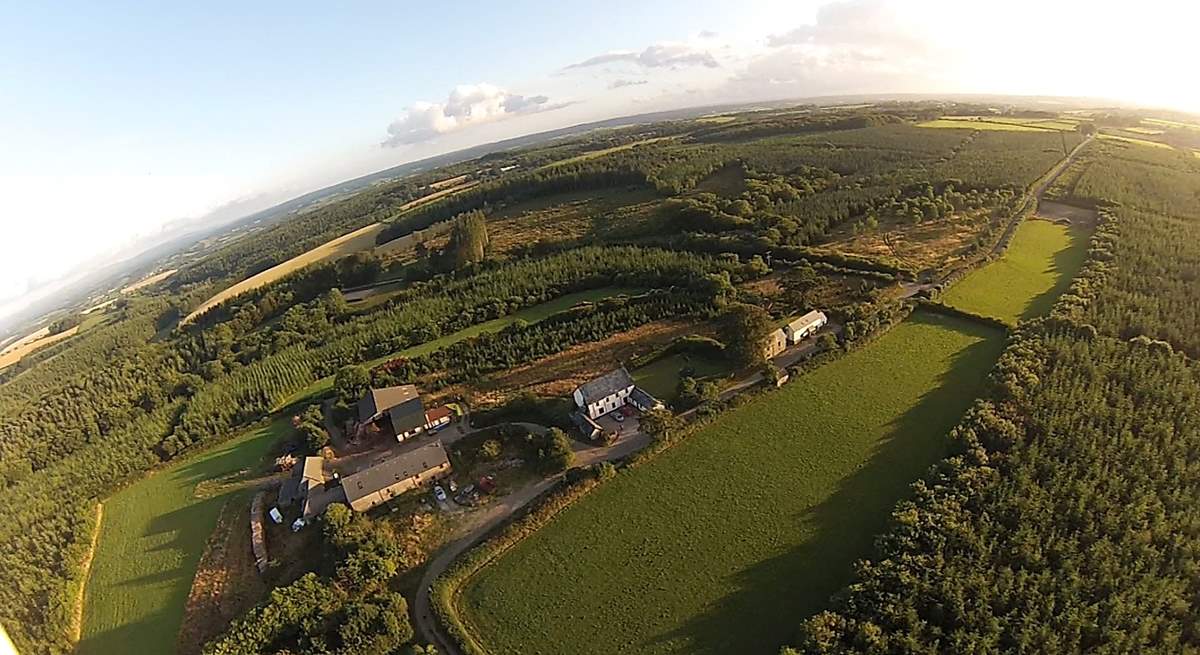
(805, 326)
(610, 392)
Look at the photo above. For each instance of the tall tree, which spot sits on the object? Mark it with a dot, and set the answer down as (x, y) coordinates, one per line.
(744, 329)
(469, 238)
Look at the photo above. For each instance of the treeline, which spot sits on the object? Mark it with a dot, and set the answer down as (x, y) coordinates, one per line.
(797, 123)
(470, 360)
(567, 178)
(1064, 522)
(425, 313)
(1143, 274)
(351, 611)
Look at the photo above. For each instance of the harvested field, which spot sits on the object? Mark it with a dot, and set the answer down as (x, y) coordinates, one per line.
(147, 281)
(27, 345)
(928, 244)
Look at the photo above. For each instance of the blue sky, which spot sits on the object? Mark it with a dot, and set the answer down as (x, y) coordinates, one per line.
(116, 118)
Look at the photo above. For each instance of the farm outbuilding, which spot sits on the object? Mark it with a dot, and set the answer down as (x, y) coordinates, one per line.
(380, 483)
(399, 412)
(805, 326)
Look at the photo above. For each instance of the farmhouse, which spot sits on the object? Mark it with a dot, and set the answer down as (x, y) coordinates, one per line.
(398, 412)
(805, 326)
(384, 481)
(609, 392)
(777, 342)
(307, 480)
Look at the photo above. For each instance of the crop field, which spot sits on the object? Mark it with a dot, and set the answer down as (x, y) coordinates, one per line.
(1141, 142)
(1038, 266)
(13, 353)
(530, 314)
(147, 281)
(661, 378)
(600, 153)
(725, 542)
(150, 542)
(347, 244)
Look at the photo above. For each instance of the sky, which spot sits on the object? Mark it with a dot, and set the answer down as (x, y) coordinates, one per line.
(119, 118)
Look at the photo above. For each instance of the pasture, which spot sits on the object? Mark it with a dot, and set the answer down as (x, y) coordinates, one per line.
(725, 542)
(661, 378)
(150, 542)
(1038, 266)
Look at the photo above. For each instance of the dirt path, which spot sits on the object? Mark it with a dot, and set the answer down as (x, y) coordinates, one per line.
(85, 570)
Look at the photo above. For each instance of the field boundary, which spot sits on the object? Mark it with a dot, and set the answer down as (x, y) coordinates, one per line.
(85, 572)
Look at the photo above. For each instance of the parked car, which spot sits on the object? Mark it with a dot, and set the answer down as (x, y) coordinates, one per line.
(620, 417)
(439, 493)
(453, 486)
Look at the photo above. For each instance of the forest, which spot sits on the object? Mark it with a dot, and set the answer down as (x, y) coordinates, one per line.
(1064, 522)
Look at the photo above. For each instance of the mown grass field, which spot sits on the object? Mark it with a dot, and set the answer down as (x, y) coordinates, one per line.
(151, 539)
(530, 314)
(1038, 266)
(724, 543)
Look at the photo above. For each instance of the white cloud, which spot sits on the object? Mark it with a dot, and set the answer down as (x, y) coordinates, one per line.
(620, 84)
(468, 104)
(660, 55)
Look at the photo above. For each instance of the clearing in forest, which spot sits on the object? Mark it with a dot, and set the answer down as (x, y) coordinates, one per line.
(1038, 266)
(151, 539)
(725, 542)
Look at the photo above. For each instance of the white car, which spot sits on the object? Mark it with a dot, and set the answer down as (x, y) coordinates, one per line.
(439, 493)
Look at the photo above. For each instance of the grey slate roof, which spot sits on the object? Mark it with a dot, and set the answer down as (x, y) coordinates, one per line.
(605, 385)
(395, 470)
(378, 401)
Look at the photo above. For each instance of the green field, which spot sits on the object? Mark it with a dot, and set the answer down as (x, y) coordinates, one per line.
(151, 539)
(724, 543)
(530, 314)
(1038, 266)
(661, 378)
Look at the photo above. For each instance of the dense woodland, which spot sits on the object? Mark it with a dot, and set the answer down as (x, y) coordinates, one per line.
(1066, 521)
(730, 202)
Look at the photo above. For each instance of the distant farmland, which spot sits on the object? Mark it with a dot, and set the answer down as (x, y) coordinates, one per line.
(347, 244)
(724, 543)
(29, 343)
(1038, 266)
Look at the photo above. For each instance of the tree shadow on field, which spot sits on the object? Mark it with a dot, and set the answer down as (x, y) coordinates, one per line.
(1064, 265)
(775, 595)
(149, 635)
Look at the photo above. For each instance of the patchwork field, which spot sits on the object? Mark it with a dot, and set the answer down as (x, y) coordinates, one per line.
(151, 539)
(727, 541)
(1038, 266)
(1002, 123)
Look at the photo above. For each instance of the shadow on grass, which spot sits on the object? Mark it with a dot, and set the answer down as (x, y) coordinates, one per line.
(145, 636)
(1064, 265)
(775, 595)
